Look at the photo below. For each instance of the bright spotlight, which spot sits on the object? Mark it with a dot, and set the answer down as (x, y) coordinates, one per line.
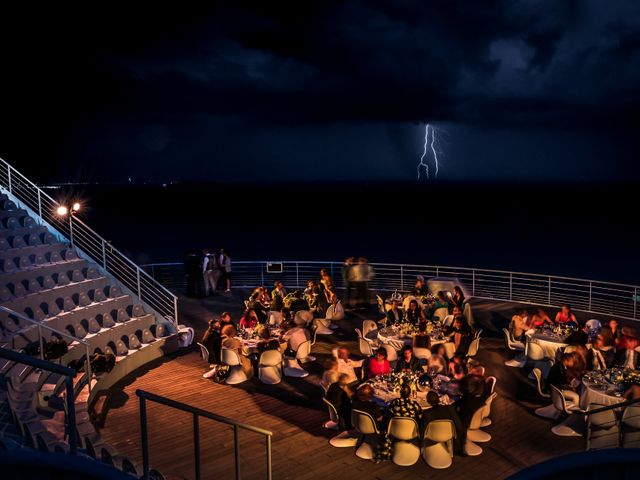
(62, 210)
(76, 207)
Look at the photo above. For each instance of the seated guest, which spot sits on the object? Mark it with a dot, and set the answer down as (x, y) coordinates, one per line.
(628, 357)
(277, 296)
(339, 395)
(598, 356)
(457, 299)
(404, 406)
(256, 305)
(473, 391)
(212, 339)
(225, 319)
(445, 412)
(461, 333)
(407, 362)
(457, 367)
(633, 392)
(249, 319)
(540, 318)
(266, 342)
(294, 336)
(437, 365)
(311, 293)
(441, 301)
(346, 365)
(394, 314)
(565, 316)
(578, 337)
(519, 325)
(363, 402)
(422, 338)
(562, 375)
(296, 303)
(230, 341)
(331, 374)
(616, 331)
(378, 365)
(419, 289)
(414, 313)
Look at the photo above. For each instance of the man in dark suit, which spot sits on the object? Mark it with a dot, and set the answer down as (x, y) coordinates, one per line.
(213, 341)
(445, 412)
(339, 395)
(628, 357)
(407, 361)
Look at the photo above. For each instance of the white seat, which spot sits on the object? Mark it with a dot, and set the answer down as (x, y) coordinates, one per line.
(631, 427)
(332, 423)
(292, 368)
(365, 425)
(537, 374)
(343, 439)
(204, 352)
(392, 351)
(448, 320)
(365, 347)
(232, 360)
(520, 360)
(437, 448)
(270, 367)
(335, 312)
(602, 429)
(573, 425)
(303, 318)
(474, 434)
(369, 326)
(486, 413)
(441, 313)
(274, 319)
(422, 353)
(381, 307)
(323, 326)
(474, 347)
(403, 432)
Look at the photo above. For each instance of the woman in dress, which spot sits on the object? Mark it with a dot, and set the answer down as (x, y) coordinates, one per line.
(379, 365)
(414, 314)
(565, 315)
(457, 300)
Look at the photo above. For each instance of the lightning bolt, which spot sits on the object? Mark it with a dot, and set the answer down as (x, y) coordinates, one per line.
(434, 150)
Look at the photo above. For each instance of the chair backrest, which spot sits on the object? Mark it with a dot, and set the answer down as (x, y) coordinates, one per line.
(558, 399)
(275, 318)
(535, 352)
(392, 352)
(80, 331)
(491, 384)
(381, 308)
(138, 311)
(333, 413)
(303, 317)
(67, 304)
(230, 357)
(631, 417)
(407, 301)
(477, 333)
(537, 373)
(403, 428)
(359, 333)
(448, 321)
(365, 347)
(122, 315)
(486, 409)
(363, 422)
(507, 339)
(271, 358)
(441, 313)
(439, 431)
(304, 349)
(477, 417)
(474, 347)
(76, 276)
(368, 326)
(204, 352)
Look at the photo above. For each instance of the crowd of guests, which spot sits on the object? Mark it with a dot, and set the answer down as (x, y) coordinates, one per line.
(347, 391)
(207, 273)
(590, 346)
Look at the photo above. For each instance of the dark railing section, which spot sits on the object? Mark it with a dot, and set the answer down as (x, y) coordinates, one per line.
(69, 375)
(197, 413)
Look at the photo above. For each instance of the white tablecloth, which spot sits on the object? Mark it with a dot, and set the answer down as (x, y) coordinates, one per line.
(592, 394)
(549, 347)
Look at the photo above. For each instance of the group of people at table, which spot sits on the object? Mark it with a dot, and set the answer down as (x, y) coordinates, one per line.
(584, 348)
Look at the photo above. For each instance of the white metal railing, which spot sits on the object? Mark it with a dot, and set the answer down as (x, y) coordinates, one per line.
(40, 326)
(82, 237)
(592, 296)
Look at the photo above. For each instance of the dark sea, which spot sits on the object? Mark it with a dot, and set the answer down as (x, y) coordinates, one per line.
(579, 230)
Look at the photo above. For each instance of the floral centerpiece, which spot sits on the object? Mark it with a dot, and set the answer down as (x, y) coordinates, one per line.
(563, 330)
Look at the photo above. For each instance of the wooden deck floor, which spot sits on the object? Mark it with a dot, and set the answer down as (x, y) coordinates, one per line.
(293, 411)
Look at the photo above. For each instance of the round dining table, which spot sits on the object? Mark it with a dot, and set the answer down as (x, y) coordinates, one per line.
(392, 336)
(385, 392)
(549, 342)
(599, 393)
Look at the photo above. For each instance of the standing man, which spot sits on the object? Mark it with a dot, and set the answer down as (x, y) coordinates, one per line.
(209, 272)
(223, 263)
(346, 278)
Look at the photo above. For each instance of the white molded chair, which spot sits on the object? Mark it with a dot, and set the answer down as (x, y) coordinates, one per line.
(343, 439)
(474, 347)
(304, 351)
(292, 367)
(335, 312)
(573, 425)
(204, 352)
(403, 432)
(437, 448)
(537, 374)
(323, 326)
(365, 347)
(602, 429)
(422, 353)
(232, 360)
(486, 410)
(519, 360)
(332, 423)
(365, 425)
(441, 313)
(303, 318)
(631, 427)
(270, 367)
(274, 319)
(407, 301)
(369, 326)
(381, 307)
(474, 434)
(448, 320)
(392, 351)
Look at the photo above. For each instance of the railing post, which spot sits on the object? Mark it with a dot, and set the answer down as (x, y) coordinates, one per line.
(236, 449)
(138, 282)
(71, 229)
(39, 205)
(297, 276)
(71, 416)
(41, 342)
(473, 283)
(261, 273)
(104, 255)
(635, 302)
(549, 299)
(88, 368)
(437, 271)
(590, 290)
(402, 278)
(175, 311)
(9, 177)
(269, 476)
(144, 438)
(196, 443)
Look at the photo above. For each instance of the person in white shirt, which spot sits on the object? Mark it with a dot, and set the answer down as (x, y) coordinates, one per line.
(295, 337)
(347, 366)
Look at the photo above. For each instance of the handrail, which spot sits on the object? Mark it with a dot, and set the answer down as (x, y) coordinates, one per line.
(613, 406)
(69, 374)
(90, 243)
(41, 325)
(196, 412)
(604, 298)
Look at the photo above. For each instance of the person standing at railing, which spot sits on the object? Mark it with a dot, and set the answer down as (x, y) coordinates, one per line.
(346, 279)
(223, 271)
(209, 272)
(362, 275)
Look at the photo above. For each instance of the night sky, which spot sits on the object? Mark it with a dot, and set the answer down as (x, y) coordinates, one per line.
(518, 90)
